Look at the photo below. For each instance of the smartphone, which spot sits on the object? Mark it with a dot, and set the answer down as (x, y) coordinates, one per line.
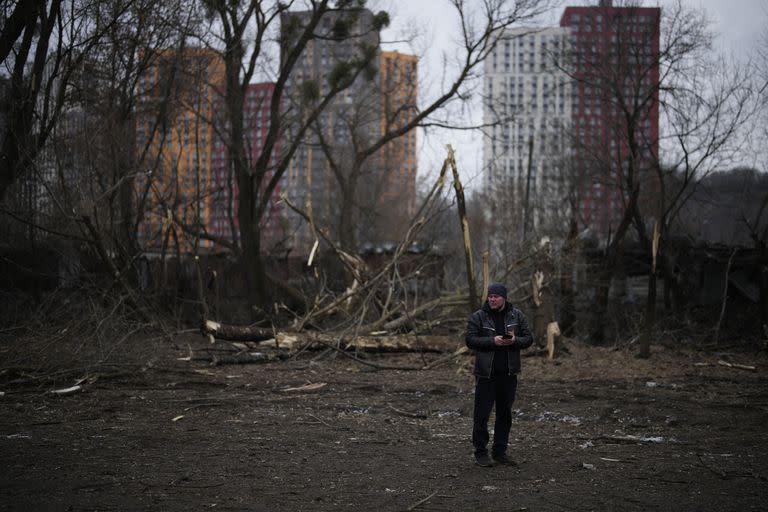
(506, 336)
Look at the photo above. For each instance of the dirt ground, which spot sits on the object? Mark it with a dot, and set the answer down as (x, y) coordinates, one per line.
(596, 429)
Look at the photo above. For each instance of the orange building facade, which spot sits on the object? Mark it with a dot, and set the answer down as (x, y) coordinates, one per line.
(174, 125)
(399, 106)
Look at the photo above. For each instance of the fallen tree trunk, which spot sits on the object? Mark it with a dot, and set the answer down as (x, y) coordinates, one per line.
(247, 358)
(307, 339)
(236, 332)
(311, 340)
(403, 344)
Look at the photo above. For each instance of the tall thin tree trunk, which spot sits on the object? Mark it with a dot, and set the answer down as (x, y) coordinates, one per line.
(650, 304)
(764, 300)
(725, 296)
(600, 307)
(473, 298)
(251, 258)
(347, 234)
(607, 269)
(650, 317)
(567, 286)
(526, 200)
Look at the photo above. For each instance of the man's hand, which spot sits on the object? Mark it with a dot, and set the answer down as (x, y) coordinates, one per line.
(501, 341)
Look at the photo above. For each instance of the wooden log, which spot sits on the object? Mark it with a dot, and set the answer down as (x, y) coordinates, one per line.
(403, 344)
(247, 358)
(293, 340)
(236, 332)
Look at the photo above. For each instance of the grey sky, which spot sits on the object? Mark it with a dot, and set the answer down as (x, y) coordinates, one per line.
(740, 25)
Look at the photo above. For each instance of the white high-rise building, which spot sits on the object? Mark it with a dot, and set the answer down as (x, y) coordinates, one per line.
(528, 105)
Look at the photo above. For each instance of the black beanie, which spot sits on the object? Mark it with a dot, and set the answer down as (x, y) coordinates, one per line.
(497, 289)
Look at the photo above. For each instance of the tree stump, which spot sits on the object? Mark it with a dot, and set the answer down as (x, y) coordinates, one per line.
(553, 335)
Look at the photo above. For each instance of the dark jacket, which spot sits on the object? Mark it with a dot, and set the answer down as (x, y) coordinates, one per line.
(480, 334)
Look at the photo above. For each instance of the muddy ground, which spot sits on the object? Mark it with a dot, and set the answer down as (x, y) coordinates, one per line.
(597, 429)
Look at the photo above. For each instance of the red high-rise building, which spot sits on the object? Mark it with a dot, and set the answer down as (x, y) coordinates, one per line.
(615, 64)
(224, 200)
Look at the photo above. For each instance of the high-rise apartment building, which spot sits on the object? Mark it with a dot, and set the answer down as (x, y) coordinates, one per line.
(527, 113)
(326, 162)
(64, 166)
(224, 222)
(398, 83)
(194, 183)
(182, 85)
(327, 152)
(615, 63)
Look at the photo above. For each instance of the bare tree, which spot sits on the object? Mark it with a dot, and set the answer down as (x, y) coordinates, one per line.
(258, 180)
(706, 103)
(757, 219)
(247, 29)
(120, 122)
(641, 75)
(526, 148)
(43, 45)
(27, 33)
(619, 79)
(82, 160)
(360, 160)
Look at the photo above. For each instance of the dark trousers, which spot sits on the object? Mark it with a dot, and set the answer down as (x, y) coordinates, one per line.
(499, 389)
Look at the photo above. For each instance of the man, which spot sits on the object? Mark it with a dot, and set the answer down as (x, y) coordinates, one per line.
(496, 332)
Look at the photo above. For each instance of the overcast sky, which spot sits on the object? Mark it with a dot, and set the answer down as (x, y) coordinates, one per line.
(739, 24)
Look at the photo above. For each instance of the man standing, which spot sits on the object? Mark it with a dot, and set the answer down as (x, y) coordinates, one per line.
(496, 332)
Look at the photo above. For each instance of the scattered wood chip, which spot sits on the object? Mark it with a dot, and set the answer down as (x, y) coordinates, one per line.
(737, 365)
(66, 391)
(420, 502)
(177, 418)
(729, 365)
(418, 415)
(632, 439)
(307, 387)
(282, 340)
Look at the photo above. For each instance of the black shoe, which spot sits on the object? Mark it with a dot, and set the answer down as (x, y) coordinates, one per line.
(482, 459)
(502, 458)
